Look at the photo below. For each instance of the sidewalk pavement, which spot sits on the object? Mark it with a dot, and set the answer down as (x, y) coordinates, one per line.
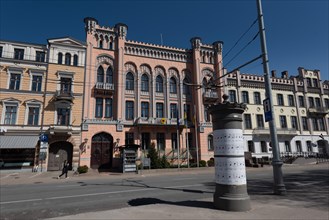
(305, 199)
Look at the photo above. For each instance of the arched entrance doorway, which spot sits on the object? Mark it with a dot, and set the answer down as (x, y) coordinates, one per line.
(323, 146)
(101, 151)
(58, 152)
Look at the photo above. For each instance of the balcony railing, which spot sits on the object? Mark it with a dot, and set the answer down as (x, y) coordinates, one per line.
(105, 86)
(63, 129)
(286, 131)
(64, 95)
(318, 110)
(210, 96)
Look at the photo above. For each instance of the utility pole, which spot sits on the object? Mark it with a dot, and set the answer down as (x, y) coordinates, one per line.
(279, 187)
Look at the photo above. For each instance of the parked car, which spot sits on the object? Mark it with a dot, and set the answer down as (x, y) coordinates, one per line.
(2, 163)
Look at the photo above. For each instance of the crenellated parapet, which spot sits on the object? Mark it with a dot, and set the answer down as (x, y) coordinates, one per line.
(157, 51)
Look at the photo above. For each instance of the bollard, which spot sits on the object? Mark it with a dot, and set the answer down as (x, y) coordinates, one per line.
(230, 170)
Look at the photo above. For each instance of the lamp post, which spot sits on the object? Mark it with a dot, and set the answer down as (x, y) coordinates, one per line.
(279, 187)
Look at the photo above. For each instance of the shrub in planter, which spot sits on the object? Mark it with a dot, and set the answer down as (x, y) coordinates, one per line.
(164, 162)
(202, 163)
(83, 169)
(211, 162)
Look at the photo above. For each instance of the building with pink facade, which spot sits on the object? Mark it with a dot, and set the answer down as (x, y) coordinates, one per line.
(140, 93)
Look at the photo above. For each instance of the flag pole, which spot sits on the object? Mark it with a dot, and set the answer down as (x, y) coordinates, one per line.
(196, 137)
(186, 139)
(178, 139)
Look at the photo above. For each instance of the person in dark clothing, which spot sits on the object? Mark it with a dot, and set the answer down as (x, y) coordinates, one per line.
(64, 170)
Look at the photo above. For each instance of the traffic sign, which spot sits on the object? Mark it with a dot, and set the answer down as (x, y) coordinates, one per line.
(267, 110)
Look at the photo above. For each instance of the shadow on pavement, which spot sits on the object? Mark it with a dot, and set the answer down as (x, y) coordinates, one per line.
(309, 189)
(188, 203)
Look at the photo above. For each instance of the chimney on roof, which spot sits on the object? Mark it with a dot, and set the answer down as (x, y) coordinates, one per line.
(284, 74)
(273, 73)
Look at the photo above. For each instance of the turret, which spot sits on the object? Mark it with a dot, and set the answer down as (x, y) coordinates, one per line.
(90, 24)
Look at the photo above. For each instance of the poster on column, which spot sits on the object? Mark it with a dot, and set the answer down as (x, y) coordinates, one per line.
(230, 170)
(228, 142)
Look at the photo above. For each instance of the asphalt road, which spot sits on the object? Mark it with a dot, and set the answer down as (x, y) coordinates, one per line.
(67, 197)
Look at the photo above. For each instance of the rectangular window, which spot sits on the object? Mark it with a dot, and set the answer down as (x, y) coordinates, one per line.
(33, 118)
(174, 141)
(66, 84)
(317, 103)
(1, 48)
(294, 122)
(321, 124)
(283, 121)
(260, 121)
(263, 146)
(129, 110)
(129, 138)
(187, 111)
(291, 101)
(145, 109)
(299, 146)
(315, 124)
(301, 101)
(232, 96)
(159, 110)
(15, 81)
(19, 54)
(245, 97)
(146, 141)
(315, 83)
(257, 98)
(305, 124)
(309, 146)
(308, 82)
(99, 108)
(10, 115)
(173, 110)
(311, 102)
(108, 108)
(287, 146)
(280, 99)
(326, 103)
(161, 141)
(251, 147)
(36, 83)
(247, 121)
(63, 116)
(40, 56)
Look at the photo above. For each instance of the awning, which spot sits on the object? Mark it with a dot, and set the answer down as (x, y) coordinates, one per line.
(18, 142)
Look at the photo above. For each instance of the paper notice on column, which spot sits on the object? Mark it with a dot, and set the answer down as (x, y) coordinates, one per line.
(230, 171)
(228, 142)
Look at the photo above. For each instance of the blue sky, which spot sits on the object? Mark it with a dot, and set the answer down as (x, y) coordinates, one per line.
(296, 30)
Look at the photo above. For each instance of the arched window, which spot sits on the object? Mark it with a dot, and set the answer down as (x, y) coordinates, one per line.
(159, 84)
(204, 85)
(173, 85)
(100, 43)
(111, 46)
(67, 59)
(210, 143)
(145, 83)
(100, 74)
(75, 60)
(129, 81)
(251, 147)
(60, 58)
(109, 75)
(186, 88)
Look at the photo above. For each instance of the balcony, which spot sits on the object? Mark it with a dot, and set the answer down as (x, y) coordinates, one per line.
(64, 95)
(210, 97)
(102, 88)
(60, 129)
(144, 121)
(286, 131)
(318, 111)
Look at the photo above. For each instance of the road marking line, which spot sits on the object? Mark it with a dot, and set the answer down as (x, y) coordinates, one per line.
(101, 193)
(11, 174)
(35, 175)
(18, 201)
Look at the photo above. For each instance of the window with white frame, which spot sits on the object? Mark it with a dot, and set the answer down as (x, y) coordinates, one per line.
(63, 113)
(257, 98)
(145, 109)
(33, 114)
(245, 97)
(65, 86)
(173, 110)
(232, 95)
(10, 113)
(15, 77)
(36, 82)
(263, 146)
(210, 143)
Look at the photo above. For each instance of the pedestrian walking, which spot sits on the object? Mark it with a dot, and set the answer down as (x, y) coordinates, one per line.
(64, 170)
